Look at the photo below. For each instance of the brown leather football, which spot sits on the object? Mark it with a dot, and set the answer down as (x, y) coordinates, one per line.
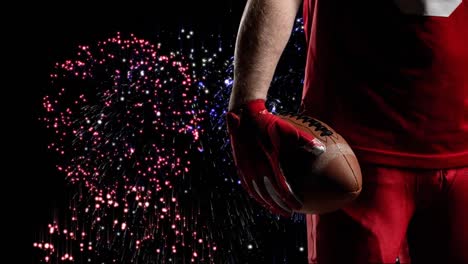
(326, 182)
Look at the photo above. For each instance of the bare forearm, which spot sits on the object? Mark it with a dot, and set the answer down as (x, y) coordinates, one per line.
(263, 34)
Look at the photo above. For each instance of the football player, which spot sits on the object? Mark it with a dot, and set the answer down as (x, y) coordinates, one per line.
(391, 77)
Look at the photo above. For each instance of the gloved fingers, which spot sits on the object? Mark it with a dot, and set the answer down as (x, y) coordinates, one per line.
(277, 185)
(291, 139)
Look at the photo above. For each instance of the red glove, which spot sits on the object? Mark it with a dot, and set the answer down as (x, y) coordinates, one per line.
(258, 138)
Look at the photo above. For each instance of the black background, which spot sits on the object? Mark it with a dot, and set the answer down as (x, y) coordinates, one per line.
(51, 32)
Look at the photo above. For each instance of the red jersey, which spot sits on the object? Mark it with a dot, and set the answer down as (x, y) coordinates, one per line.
(391, 77)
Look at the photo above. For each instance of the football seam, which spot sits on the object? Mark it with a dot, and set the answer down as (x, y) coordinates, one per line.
(356, 184)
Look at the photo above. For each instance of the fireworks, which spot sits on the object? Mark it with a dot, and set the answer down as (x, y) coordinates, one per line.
(126, 121)
(139, 134)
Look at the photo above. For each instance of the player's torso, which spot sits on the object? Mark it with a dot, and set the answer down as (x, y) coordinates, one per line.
(395, 70)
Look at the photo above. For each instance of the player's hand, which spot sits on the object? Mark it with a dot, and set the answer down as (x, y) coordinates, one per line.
(258, 138)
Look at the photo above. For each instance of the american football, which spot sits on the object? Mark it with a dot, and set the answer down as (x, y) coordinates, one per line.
(326, 182)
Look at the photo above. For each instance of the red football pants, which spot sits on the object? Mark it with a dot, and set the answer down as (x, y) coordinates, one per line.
(419, 216)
